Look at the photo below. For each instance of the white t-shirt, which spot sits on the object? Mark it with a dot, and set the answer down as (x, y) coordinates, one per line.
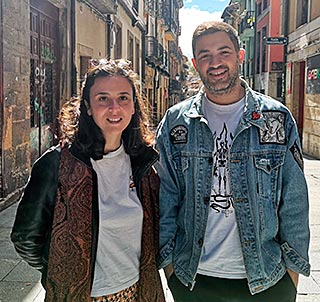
(221, 253)
(120, 225)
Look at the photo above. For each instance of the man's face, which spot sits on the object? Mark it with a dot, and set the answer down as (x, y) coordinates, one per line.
(217, 63)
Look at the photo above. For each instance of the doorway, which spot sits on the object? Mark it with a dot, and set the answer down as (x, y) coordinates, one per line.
(44, 76)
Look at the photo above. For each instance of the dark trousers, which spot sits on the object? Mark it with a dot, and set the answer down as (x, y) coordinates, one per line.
(210, 289)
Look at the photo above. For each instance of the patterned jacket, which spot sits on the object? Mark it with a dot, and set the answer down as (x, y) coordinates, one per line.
(59, 209)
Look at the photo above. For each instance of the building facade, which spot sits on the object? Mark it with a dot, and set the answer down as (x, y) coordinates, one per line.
(269, 52)
(302, 27)
(35, 77)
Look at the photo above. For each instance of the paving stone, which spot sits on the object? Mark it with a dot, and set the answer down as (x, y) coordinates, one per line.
(6, 266)
(23, 272)
(15, 291)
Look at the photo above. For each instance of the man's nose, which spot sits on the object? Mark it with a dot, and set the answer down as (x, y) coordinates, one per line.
(215, 61)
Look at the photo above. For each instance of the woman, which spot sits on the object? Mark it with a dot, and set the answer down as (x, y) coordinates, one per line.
(88, 218)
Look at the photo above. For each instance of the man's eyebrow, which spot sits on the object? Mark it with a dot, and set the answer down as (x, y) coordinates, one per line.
(220, 48)
(203, 51)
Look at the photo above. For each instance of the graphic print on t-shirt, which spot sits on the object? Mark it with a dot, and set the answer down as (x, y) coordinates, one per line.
(221, 200)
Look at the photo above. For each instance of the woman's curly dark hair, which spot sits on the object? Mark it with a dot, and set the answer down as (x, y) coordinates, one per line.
(78, 128)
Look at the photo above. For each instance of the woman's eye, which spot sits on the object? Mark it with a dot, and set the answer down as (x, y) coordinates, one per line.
(123, 98)
(103, 98)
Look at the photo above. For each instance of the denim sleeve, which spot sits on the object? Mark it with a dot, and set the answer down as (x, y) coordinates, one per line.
(169, 196)
(294, 207)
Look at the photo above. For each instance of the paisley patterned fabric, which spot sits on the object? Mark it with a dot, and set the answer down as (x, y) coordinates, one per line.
(69, 276)
(149, 283)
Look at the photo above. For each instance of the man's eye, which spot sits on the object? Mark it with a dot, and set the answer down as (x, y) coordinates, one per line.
(203, 57)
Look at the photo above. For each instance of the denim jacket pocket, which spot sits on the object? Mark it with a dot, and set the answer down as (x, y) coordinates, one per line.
(267, 169)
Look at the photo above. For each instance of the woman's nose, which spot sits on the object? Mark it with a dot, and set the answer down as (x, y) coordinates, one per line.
(113, 104)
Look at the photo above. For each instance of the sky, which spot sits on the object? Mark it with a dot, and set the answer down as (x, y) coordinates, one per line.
(192, 14)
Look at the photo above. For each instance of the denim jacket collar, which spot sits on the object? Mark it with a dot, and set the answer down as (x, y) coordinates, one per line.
(252, 109)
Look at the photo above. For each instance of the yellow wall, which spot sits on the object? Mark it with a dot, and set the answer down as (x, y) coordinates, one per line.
(315, 9)
(126, 25)
(90, 34)
(292, 16)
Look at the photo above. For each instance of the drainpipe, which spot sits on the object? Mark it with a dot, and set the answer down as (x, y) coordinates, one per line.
(108, 36)
(143, 59)
(285, 49)
(73, 48)
(254, 48)
(143, 55)
(1, 99)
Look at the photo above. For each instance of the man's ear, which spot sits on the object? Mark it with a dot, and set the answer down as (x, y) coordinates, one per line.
(194, 63)
(242, 54)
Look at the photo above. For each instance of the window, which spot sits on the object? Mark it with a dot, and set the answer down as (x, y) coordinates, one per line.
(130, 48)
(302, 12)
(118, 42)
(259, 9)
(258, 51)
(84, 65)
(137, 57)
(279, 87)
(265, 4)
(264, 50)
(135, 5)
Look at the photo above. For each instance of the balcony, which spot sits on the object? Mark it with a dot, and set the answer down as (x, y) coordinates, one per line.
(170, 23)
(152, 48)
(105, 6)
(246, 26)
(173, 49)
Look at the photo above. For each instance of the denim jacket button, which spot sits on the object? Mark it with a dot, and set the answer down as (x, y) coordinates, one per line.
(200, 242)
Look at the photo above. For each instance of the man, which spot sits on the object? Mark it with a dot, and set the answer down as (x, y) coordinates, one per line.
(233, 196)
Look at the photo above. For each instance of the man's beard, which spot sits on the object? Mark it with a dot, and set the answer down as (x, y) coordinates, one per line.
(218, 87)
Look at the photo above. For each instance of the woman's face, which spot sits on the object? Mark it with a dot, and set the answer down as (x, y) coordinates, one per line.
(111, 105)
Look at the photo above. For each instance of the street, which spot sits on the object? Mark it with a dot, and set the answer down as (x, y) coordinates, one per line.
(19, 282)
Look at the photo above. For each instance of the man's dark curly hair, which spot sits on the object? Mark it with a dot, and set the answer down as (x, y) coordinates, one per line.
(78, 128)
(213, 27)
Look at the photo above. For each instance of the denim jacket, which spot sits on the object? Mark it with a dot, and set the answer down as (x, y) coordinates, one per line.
(267, 183)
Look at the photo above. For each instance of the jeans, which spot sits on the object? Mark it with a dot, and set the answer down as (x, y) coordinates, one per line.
(211, 289)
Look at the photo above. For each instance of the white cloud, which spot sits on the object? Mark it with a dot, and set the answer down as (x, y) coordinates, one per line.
(190, 18)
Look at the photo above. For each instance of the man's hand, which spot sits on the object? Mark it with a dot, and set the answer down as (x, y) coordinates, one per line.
(294, 277)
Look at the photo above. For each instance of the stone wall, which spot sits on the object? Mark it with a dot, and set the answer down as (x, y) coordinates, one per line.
(16, 70)
(16, 129)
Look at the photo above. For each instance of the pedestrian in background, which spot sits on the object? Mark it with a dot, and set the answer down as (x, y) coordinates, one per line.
(88, 218)
(233, 195)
